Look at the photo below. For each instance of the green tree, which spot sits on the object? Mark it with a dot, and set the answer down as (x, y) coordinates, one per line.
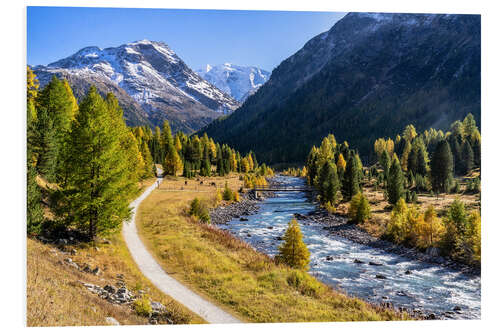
(359, 209)
(293, 251)
(173, 162)
(442, 168)
(350, 184)
(328, 183)
(34, 210)
(385, 162)
(166, 135)
(467, 161)
(100, 184)
(395, 182)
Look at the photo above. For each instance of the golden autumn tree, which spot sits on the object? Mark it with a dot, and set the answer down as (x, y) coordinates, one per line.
(172, 163)
(293, 251)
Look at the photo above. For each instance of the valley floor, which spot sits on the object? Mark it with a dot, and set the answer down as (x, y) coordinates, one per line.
(228, 271)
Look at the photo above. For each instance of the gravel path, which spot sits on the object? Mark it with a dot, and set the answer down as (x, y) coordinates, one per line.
(167, 284)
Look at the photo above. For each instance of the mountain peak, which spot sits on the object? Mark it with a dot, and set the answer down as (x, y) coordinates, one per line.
(237, 81)
(155, 77)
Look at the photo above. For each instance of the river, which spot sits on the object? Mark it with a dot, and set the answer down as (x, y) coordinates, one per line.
(429, 288)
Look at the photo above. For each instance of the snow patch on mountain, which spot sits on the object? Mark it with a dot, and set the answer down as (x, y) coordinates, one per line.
(237, 81)
(148, 71)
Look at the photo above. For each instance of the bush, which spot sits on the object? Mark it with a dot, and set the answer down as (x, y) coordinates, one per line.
(142, 306)
(359, 209)
(200, 210)
(227, 195)
(305, 284)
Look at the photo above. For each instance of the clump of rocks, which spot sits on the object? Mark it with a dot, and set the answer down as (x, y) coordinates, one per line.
(120, 295)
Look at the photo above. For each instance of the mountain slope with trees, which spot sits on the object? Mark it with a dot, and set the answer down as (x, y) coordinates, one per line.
(367, 77)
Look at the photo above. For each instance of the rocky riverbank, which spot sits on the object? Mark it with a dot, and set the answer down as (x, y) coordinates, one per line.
(246, 206)
(339, 226)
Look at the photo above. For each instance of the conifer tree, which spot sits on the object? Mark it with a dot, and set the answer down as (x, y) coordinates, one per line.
(442, 168)
(34, 211)
(359, 209)
(328, 183)
(385, 162)
(47, 146)
(395, 182)
(100, 184)
(467, 162)
(350, 184)
(173, 163)
(149, 167)
(293, 252)
(166, 135)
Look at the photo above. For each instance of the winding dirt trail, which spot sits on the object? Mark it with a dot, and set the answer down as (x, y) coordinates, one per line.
(167, 284)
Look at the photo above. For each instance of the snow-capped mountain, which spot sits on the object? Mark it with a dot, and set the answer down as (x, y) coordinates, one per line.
(153, 76)
(237, 81)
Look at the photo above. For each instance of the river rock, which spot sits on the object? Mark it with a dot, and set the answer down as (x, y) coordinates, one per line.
(243, 219)
(329, 258)
(372, 263)
(407, 272)
(357, 261)
(457, 308)
(380, 276)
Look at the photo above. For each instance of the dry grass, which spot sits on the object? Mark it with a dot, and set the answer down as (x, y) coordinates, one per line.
(230, 272)
(55, 296)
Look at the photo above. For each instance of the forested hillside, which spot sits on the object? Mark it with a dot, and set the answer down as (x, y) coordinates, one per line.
(367, 77)
(94, 162)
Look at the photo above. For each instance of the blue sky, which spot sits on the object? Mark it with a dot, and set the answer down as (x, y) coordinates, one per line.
(260, 38)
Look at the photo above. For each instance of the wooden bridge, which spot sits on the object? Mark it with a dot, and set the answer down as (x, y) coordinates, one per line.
(284, 189)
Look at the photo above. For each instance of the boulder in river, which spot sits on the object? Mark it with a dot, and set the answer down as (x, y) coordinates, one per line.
(380, 276)
(329, 258)
(357, 261)
(243, 219)
(373, 263)
(408, 272)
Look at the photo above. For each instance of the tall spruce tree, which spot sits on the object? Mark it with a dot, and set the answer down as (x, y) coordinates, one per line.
(350, 184)
(395, 182)
(328, 182)
(100, 184)
(442, 167)
(467, 163)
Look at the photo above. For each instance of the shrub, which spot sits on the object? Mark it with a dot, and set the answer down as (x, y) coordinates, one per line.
(200, 210)
(304, 283)
(142, 306)
(359, 209)
(227, 194)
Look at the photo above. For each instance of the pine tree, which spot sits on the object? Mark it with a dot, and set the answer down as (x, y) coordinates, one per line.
(328, 183)
(293, 252)
(173, 163)
(385, 162)
(395, 182)
(34, 210)
(166, 136)
(149, 167)
(47, 146)
(100, 184)
(442, 168)
(350, 185)
(467, 158)
(359, 209)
